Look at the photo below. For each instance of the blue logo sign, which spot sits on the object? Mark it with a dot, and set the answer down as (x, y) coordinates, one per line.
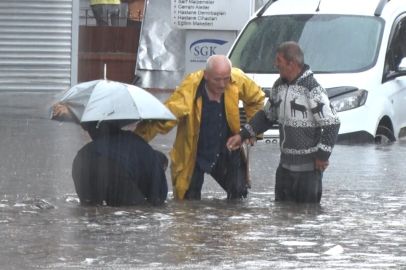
(205, 47)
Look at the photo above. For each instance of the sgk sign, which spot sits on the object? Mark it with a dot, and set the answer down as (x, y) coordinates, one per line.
(200, 45)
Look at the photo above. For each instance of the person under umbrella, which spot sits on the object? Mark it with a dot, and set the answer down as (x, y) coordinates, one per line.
(117, 167)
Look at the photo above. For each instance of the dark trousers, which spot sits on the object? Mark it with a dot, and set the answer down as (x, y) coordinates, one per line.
(105, 14)
(300, 187)
(100, 179)
(230, 174)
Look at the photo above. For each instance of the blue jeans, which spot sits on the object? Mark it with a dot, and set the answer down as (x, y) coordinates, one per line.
(105, 13)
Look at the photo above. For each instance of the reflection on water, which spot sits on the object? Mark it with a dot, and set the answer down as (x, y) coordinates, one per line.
(360, 222)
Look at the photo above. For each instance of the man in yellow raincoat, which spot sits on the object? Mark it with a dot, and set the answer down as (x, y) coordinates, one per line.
(206, 105)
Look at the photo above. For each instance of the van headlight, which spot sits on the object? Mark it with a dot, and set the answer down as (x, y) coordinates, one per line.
(349, 101)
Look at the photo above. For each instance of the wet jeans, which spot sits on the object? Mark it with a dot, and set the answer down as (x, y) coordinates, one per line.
(105, 14)
(230, 174)
(300, 187)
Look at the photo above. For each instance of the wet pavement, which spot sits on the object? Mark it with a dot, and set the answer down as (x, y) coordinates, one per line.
(360, 223)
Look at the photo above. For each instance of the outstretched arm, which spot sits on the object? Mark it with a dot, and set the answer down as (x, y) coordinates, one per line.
(259, 123)
(180, 103)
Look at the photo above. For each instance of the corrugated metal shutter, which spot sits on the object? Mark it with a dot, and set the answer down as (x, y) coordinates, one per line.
(35, 45)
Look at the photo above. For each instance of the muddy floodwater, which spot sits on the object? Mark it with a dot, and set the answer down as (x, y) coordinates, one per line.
(360, 223)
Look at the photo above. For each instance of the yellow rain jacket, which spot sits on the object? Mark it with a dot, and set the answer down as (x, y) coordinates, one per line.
(184, 105)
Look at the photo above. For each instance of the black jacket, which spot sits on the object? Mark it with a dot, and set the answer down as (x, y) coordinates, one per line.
(133, 154)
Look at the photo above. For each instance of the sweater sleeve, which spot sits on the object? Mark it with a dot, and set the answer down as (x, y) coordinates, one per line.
(260, 122)
(327, 119)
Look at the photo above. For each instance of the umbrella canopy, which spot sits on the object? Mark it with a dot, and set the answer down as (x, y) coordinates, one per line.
(104, 100)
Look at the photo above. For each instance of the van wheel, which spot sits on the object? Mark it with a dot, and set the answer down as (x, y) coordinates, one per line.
(384, 135)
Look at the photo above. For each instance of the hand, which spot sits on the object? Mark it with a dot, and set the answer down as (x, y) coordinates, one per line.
(61, 110)
(234, 142)
(251, 141)
(321, 164)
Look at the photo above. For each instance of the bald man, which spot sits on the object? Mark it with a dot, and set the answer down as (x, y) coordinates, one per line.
(206, 105)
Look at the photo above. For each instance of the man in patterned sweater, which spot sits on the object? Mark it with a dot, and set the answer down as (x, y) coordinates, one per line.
(308, 127)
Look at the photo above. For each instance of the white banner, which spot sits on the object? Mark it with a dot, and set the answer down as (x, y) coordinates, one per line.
(210, 14)
(200, 45)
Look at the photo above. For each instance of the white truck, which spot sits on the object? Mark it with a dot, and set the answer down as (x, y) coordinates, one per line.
(356, 49)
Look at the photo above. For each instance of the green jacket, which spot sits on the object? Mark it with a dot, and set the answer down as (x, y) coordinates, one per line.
(184, 105)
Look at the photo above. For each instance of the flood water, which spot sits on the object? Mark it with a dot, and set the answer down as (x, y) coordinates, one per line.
(360, 223)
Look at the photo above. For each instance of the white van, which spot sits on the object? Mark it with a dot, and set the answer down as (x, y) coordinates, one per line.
(355, 49)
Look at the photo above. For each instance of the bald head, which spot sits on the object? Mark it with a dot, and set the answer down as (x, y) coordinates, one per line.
(217, 75)
(217, 61)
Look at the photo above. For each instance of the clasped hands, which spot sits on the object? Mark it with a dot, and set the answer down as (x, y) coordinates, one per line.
(235, 142)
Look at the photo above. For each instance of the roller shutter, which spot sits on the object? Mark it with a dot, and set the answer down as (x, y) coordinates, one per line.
(36, 45)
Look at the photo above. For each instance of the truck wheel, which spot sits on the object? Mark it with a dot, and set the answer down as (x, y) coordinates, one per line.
(384, 135)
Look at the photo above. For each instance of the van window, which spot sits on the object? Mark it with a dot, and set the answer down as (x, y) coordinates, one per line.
(397, 50)
(331, 43)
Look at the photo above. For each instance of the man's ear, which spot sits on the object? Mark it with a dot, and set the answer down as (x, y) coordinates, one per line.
(294, 63)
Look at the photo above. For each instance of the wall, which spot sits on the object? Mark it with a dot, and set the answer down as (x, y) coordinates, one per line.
(114, 46)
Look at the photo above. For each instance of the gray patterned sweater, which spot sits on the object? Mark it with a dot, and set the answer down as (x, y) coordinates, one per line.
(308, 124)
